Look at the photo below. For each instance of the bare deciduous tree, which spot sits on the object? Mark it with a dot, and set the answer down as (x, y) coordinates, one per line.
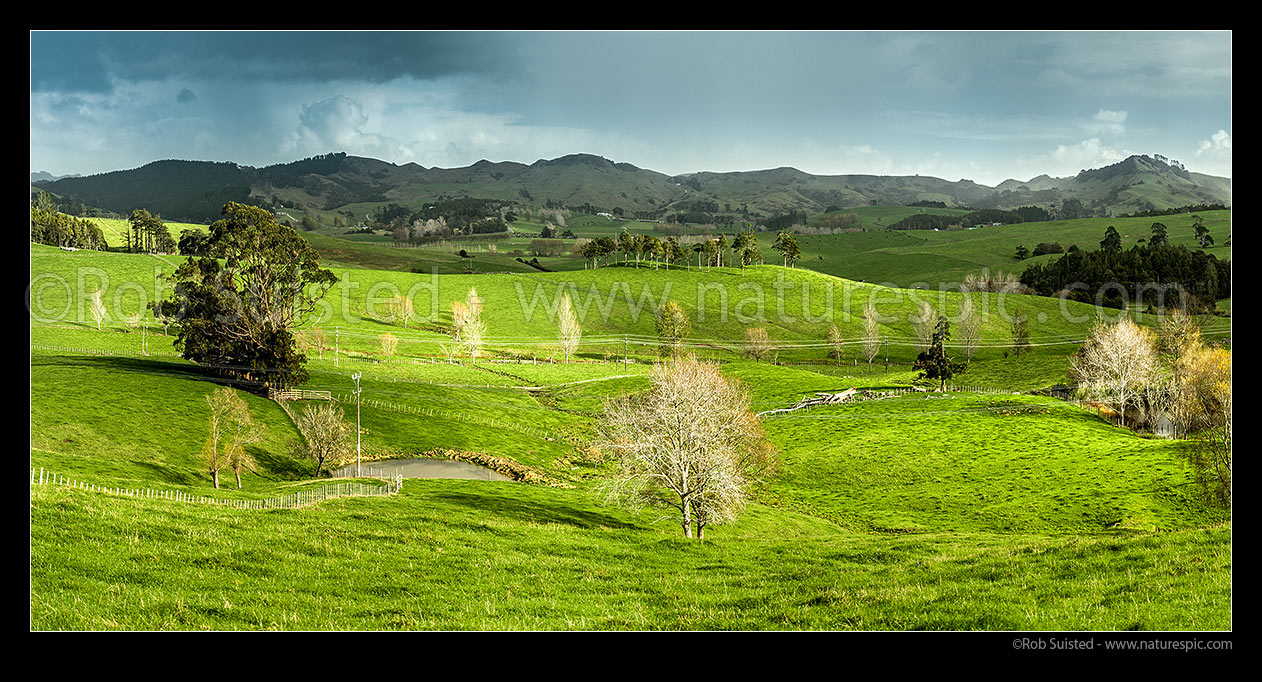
(459, 322)
(922, 322)
(315, 337)
(1116, 364)
(1208, 385)
(96, 306)
(401, 309)
(326, 436)
(970, 328)
(231, 429)
(1178, 343)
(471, 329)
(757, 343)
(567, 323)
(836, 344)
(691, 444)
(1020, 333)
(389, 344)
(672, 324)
(871, 332)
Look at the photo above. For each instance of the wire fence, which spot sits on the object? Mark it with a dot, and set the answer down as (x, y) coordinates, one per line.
(365, 471)
(295, 500)
(456, 416)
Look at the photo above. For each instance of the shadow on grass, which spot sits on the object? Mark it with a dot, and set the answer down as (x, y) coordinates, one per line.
(140, 365)
(170, 474)
(523, 510)
(278, 466)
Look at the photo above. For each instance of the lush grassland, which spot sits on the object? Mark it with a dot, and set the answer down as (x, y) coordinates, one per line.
(480, 555)
(963, 512)
(969, 463)
(133, 421)
(116, 229)
(616, 306)
(925, 257)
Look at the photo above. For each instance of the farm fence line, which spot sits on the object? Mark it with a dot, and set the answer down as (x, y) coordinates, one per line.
(294, 500)
(457, 416)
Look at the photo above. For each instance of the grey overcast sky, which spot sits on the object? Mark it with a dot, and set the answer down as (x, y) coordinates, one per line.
(986, 106)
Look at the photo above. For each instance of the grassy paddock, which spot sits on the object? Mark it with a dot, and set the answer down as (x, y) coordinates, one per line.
(956, 511)
(474, 555)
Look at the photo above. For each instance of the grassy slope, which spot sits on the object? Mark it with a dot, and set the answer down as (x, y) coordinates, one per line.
(905, 258)
(477, 555)
(1007, 524)
(793, 304)
(898, 258)
(115, 230)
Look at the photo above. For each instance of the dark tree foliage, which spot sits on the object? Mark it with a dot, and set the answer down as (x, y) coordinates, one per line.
(1033, 214)
(1048, 247)
(786, 221)
(390, 215)
(1153, 213)
(1152, 274)
(149, 234)
(588, 208)
(1112, 240)
(1022, 252)
(194, 243)
(1072, 209)
(58, 229)
(925, 221)
(695, 217)
(700, 205)
(990, 215)
(184, 191)
(934, 363)
(237, 317)
(1159, 235)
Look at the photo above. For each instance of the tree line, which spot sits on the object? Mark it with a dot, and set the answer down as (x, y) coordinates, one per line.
(54, 228)
(1145, 270)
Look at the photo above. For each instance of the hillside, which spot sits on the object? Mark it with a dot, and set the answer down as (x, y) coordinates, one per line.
(970, 510)
(193, 190)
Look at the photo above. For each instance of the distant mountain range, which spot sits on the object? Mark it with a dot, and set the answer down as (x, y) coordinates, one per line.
(194, 191)
(45, 176)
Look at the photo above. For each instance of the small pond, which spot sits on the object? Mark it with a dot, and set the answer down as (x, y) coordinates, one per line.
(425, 467)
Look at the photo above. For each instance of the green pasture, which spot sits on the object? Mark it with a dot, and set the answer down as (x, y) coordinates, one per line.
(933, 511)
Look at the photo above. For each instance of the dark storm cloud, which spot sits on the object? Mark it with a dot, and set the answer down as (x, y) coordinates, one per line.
(88, 62)
(186, 96)
(67, 62)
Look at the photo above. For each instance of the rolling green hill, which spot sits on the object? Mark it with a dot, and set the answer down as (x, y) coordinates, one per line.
(960, 511)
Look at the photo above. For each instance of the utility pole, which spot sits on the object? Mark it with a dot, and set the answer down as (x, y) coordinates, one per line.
(356, 377)
(337, 333)
(887, 357)
(624, 352)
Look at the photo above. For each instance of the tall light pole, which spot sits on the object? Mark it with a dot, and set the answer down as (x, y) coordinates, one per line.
(356, 377)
